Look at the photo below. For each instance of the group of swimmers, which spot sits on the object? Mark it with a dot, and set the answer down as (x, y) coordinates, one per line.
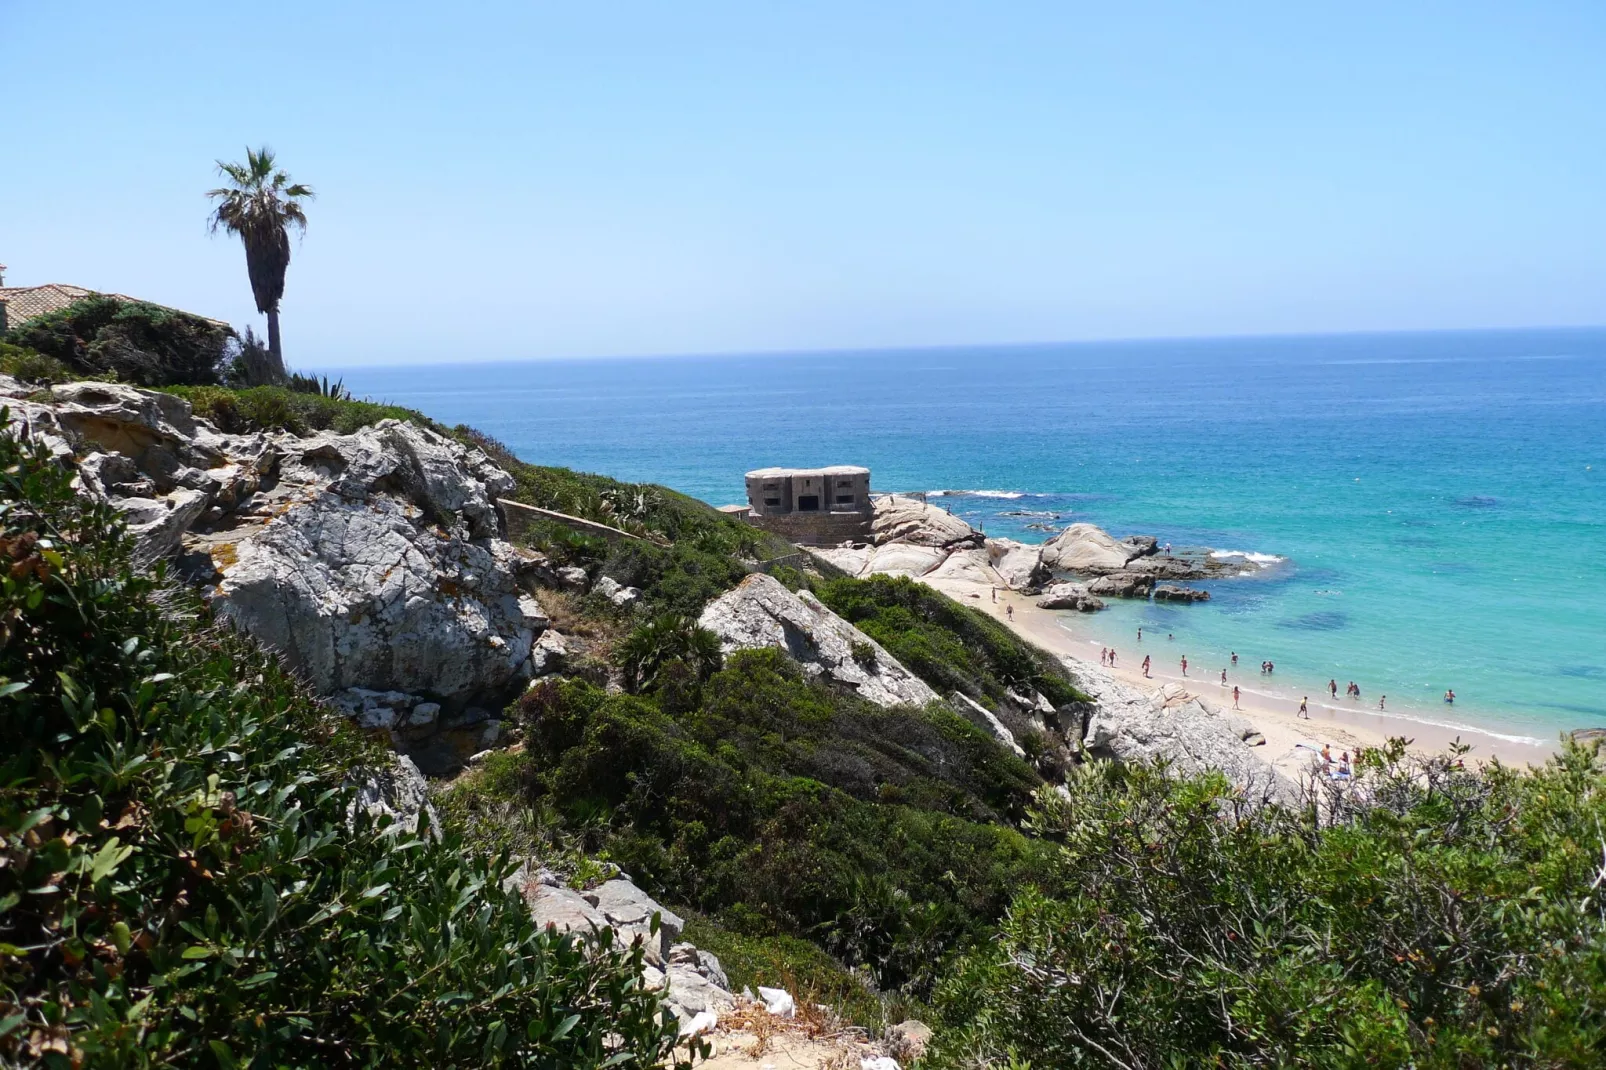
(1267, 668)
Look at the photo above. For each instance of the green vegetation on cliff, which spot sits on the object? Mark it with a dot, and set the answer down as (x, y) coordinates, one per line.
(186, 879)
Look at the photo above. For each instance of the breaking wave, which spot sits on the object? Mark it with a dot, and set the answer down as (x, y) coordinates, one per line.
(1247, 555)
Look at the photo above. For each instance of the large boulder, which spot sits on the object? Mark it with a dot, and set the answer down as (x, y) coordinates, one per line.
(1070, 596)
(1170, 592)
(904, 559)
(1133, 725)
(910, 520)
(1018, 565)
(371, 560)
(1086, 548)
(380, 568)
(1122, 585)
(760, 612)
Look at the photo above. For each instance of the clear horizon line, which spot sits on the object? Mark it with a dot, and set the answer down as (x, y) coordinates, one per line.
(725, 354)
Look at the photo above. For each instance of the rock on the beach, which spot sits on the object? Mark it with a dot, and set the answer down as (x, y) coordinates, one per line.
(973, 566)
(1086, 548)
(1018, 565)
(1130, 724)
(1170, 592)
(909, 520)
(1070, 596)
(761, 612)
(1122, 585)
(903, 559)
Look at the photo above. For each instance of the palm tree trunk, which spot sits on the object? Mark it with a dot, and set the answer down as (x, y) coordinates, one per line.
(275, 350)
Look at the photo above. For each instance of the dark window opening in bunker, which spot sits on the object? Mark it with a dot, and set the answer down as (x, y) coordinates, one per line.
(808, 503)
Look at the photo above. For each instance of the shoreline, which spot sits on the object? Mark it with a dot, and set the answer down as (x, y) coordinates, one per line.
(1291, 741)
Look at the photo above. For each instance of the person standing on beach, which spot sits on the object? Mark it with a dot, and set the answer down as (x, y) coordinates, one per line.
(1380, 700)
(1223, 677)
(1332, 686)
(1184, 665)
(1009, 611)
(1140, 635)
(1104, 656)
(1235, 696)
(1145, 666)
(995, 594)
(1112, 657)
(1304, 711)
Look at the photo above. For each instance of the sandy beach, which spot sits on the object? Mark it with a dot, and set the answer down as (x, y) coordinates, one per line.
(1291, 741)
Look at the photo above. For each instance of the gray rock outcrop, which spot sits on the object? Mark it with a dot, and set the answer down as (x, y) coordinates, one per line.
(1170, 592)
(1088, 549)
(1070, 596)
(1121, 585)
(910, 520)
(1129, 724)
(760, 612)
(371, 560)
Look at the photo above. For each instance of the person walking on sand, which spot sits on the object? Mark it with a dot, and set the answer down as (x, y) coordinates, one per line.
(1235, 696)
(995, 594)
(1145, 666)
(1104, 656)
(1112, 657)
(1184, 665)
(1223, 677)
(1304, 707)
(1009, 611)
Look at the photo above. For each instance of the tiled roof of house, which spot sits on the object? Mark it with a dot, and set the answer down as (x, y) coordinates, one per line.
(23, 303)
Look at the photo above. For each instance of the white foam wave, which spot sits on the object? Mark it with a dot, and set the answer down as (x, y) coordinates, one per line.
(1009, 494)
(1247, 555)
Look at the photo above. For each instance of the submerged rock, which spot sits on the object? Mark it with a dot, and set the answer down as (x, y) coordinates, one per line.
(760, 612)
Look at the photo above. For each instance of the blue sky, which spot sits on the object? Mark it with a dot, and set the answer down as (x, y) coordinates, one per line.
(503, 180)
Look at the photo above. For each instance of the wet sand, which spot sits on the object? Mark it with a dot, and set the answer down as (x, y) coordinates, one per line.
(1291, 741)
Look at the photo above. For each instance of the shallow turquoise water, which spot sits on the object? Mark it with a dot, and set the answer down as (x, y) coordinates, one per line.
(1440, 498)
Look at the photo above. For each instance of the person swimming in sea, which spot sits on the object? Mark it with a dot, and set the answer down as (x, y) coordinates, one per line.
(1235, 659)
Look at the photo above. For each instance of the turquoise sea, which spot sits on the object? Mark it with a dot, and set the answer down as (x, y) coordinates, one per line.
(1439, 498)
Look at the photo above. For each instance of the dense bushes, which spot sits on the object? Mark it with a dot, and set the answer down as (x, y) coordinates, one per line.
(1455, 920)
(278, 408)
(786, 807)
(183, 880)
(133, 341)
(950, 646)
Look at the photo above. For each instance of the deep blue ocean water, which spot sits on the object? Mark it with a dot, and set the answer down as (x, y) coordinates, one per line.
(1440, 498)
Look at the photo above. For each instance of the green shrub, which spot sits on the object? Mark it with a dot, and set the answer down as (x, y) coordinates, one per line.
(787, 807)
(32, 366)
(950, 646)
(277, 408)
(184, 879)
(1450, 918)
(135, 342)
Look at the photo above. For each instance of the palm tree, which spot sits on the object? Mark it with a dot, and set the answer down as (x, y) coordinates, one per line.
(260, 205)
